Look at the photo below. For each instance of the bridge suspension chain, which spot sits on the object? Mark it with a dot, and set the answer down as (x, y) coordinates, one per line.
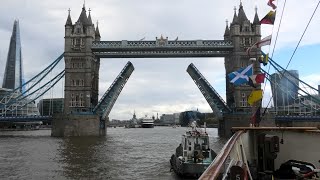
(11, 96)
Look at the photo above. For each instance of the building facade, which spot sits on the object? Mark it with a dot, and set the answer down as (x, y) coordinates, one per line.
(81, 67)
(167, 119)
(48, 107)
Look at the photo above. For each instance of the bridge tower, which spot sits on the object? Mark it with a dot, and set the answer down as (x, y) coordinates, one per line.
(81, 81)
(243, 34)
(81, 66)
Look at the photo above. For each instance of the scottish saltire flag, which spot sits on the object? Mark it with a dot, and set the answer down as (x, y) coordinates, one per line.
(241, 76)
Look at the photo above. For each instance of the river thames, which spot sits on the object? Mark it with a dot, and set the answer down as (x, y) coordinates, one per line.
(123, 154)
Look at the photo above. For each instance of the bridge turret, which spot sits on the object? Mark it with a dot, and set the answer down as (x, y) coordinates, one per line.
(69, 21)
(256, 25)
(235, 27)
(227, 32)
(97, 33)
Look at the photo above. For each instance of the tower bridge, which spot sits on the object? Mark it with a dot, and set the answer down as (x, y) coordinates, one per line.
(84, 50)
(85, 115)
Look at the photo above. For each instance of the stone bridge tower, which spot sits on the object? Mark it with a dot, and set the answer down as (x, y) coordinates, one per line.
(243, 34)
(81, 66)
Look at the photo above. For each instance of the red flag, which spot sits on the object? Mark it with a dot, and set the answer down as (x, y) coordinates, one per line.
(259, 78)
(256, 79)
(270, 3)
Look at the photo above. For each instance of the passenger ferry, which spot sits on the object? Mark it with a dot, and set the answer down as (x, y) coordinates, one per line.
(147, 123)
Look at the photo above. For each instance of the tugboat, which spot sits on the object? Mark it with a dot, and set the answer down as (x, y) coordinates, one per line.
(193, 155)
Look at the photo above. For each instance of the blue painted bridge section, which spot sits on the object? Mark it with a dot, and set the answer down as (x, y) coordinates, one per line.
(297, 118)
(24, 118)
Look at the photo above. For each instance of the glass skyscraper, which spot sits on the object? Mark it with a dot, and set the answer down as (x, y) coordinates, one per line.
(13, 76)
(284, 87)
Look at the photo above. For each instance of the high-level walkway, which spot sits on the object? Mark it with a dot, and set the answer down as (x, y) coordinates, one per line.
(161, 48)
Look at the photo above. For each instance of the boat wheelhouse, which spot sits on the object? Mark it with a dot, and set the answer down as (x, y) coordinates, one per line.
(193, 155)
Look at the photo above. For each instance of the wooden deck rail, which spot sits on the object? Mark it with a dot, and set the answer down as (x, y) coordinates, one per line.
(212, 172)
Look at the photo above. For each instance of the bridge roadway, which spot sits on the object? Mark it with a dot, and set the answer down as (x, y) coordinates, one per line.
(161, 48)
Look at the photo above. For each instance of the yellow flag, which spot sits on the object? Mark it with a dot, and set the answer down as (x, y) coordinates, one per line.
(255, 96)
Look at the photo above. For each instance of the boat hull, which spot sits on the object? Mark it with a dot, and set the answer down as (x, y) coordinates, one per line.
(187, 169)
(147, 125)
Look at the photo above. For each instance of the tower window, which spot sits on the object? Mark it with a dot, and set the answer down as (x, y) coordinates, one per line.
(81, 102)
(246, 41)
(243, 102)
(246, 29)
(72, 102)
(78, 30)
(77, 41)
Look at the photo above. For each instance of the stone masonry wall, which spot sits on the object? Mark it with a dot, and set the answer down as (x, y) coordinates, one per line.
(76, 125)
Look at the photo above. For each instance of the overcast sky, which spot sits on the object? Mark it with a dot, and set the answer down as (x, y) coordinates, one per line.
(157, 85)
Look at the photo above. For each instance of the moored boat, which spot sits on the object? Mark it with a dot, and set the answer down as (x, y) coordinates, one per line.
(193, 155)
(268, 153)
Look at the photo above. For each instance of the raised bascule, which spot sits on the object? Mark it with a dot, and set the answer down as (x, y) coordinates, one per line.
(84, 49)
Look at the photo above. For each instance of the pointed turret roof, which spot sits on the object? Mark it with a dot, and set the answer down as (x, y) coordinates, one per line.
(227, 31)
(241, 14)
(256, 20)
(235, 17)
(69, 21)
(89, 18)
(97, 33)
(83, 17)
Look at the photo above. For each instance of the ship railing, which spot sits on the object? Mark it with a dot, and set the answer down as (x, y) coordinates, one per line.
(232, 154)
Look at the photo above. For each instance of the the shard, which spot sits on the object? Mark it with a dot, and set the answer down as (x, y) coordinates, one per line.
(13, 76)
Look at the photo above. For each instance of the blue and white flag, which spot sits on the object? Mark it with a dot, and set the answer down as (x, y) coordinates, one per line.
(241, 76)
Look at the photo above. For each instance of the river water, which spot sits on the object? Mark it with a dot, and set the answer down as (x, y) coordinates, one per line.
(123, 154)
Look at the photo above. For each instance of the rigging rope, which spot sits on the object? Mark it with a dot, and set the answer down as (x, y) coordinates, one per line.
(303, 34)
(296, 46)
(274, 46)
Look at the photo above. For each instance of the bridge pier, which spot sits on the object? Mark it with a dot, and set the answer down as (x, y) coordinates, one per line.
(232, 120)
(67, 125)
